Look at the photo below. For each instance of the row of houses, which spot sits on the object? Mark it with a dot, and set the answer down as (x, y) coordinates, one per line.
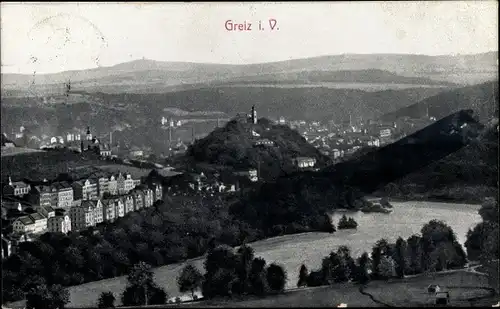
(63, 194)
(92, 212)
(86, 213)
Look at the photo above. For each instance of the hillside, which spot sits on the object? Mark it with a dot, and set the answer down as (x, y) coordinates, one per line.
(469, 174)
(157, 75)
(482, 98)
(233, 146)
(294, 199)
(36, 166)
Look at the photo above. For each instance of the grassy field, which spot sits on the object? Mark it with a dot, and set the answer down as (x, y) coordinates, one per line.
(461, 285)
(12, 151)
(134, 171)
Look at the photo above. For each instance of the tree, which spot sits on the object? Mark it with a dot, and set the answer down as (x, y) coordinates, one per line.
(386, 267)
(220, 266)
(245, 256)
(141, 289)
(400, 257)
(43, 296)
(276, 277)
(141, 275)
(189, 279)
(258, 282)
(489, 210)
(414, 253)
(362, 275)
(303, 274)
(106, 300)
(379, 250)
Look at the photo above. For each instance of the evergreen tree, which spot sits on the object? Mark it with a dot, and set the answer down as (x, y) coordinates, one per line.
(400, 257)
(303, 274)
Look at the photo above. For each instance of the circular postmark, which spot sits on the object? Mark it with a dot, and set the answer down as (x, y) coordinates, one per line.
(64, 41)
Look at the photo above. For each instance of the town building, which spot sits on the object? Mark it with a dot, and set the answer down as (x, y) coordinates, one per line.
(119, 208)
(128, 202)
(250, 174)
(64, 194)
(148, 197)
(82, 216)
(125, 184)
(59, 224)
(102, 186)
(304, 162)
(138, 197)
(157, 191)
(6, 247)
(263, 142)
(16, 188)
(112, 185)
(42, 195)
(30, 224)
(46, 211)
(85, 189)
(109, 209)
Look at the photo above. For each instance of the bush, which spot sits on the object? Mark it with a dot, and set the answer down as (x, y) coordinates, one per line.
(276, 278)
(106, 300)
(315, 278)
(347, 223)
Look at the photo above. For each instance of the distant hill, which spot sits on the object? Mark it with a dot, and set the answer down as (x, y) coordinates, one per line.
(343, 76)
(482, 98)
(233, 146)
(158, 76)
(104, 111)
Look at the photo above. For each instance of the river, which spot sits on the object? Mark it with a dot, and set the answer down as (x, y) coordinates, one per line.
(309, 248)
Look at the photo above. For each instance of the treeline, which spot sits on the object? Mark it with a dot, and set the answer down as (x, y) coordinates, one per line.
(295, 204)
(166, 233)
(436, 249)
(230, 273)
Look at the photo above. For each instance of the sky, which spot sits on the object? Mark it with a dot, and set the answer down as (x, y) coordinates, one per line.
(55, 37)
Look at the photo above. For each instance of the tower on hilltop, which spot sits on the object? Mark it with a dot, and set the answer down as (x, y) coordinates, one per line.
(254, 115)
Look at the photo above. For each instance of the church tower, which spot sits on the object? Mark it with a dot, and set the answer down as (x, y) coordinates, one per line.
(89, 135)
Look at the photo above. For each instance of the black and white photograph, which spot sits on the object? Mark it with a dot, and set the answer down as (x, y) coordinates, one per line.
(249, 154)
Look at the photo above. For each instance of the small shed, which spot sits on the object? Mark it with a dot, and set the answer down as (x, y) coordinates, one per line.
(442, 298)
(433, 288)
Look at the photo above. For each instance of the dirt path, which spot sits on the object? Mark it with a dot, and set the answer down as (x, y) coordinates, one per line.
(362, 291)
